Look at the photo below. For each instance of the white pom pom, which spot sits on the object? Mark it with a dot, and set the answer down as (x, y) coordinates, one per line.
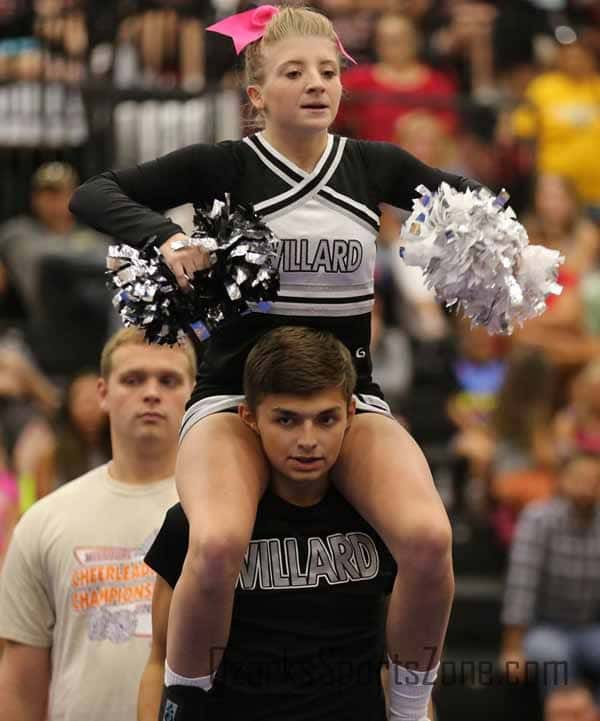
(476, 255)
(537, 276)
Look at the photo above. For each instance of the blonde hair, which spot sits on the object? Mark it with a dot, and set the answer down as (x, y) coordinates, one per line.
(133, 336)
(289, 21)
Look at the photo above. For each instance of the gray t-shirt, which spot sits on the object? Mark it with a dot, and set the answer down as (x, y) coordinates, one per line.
(74, 580)
(24, 242)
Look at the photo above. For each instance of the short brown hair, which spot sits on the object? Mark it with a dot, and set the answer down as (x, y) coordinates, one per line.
(299, 361)
(133, 336)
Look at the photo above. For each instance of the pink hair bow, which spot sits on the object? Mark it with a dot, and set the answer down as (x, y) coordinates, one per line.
(244, 28)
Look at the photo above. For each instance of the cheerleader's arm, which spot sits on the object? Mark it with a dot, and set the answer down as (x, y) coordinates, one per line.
(396, 174)
(128, 205)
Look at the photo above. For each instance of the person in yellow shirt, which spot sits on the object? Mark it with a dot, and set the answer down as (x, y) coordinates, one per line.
(562, 114)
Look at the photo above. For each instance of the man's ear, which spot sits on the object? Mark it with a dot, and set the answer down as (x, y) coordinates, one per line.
(248, 416)
(351, 412)
(255, 96)
(102, 392)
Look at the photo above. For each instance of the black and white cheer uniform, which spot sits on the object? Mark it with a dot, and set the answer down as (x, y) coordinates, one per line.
(327, 221)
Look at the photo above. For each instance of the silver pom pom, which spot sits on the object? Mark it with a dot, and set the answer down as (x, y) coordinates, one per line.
(476, 256)
(243, 256)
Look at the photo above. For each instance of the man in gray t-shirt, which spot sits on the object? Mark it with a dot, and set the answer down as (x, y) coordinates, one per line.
(75, 594)
(45, 251)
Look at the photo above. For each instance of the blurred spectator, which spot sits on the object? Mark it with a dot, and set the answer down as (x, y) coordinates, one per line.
(479, 370)
(551, 608)
(27, 402)
(574, 702)
(395, 85)
(421, 12)
(35, 249)
(426, 136)
(353, 23)
(391, 355)
(24, 240)
(524, 455)
(49, 201)
(522, 38)
(562, 332)
(463, 43)
(16, 31)
(41, 102)
(562, 115)
(577, 427)
(478, 154)
(61, 30)
(557, 222)
(453, 32)
(167, 40)
(161, 49)
(84, 435)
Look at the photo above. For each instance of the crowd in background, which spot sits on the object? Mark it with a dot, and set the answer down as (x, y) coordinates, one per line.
(506, 92)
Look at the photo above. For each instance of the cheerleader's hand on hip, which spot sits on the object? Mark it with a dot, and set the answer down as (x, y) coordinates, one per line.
(183, 258)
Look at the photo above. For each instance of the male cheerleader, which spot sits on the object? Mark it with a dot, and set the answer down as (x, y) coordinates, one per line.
(307, 638)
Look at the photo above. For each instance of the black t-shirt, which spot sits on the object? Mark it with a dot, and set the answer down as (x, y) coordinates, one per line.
(307, 634)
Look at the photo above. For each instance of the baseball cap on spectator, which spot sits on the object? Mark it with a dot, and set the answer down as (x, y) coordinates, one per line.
(54, 176)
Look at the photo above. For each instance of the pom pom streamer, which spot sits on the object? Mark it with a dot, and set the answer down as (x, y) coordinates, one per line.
(243, 256)
(476, 255)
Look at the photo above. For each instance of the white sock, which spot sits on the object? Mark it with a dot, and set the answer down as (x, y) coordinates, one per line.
(410, 692)
(174, 679)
